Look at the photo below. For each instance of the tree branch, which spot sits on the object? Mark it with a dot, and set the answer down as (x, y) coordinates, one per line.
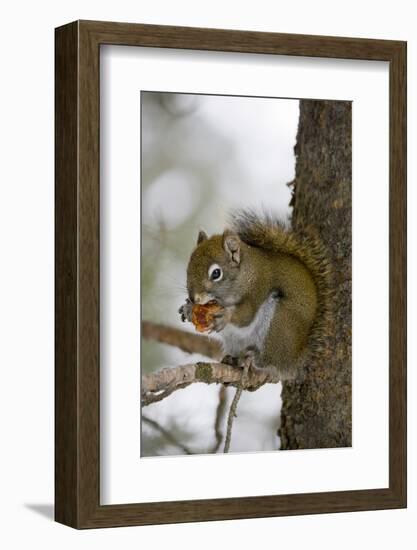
(159, 385)
(168, 435)
(221, 407)
(233, 407)
(186, 341)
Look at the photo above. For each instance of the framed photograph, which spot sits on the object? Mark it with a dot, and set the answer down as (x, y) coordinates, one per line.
(230, 274)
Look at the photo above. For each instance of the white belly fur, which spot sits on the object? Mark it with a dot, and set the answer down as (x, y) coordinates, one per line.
(236, 339)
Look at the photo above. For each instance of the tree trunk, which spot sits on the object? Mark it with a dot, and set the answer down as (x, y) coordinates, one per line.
(317, 411)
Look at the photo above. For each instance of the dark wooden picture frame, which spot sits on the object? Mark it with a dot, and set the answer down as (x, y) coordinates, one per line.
(77, 372)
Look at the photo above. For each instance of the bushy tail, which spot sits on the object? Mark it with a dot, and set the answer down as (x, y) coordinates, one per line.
(265, 232)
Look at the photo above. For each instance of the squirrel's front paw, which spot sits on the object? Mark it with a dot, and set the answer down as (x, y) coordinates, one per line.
(185, 311)
(220, 320)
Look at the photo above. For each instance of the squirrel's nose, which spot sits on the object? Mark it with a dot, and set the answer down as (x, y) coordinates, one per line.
(191, 296)
(201, 298)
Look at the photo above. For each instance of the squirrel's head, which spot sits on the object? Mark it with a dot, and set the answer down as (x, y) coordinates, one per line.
(215, 269)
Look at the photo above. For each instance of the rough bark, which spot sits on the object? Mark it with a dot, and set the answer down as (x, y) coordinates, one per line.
(316, 411)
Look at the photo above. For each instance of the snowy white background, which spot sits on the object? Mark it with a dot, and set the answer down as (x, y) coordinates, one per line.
(202, 156)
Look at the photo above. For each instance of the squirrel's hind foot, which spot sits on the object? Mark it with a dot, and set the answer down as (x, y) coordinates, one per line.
(230, 360)
(250, 357)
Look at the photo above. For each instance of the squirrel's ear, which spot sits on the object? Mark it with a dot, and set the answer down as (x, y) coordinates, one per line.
(231, 244)
(202, 236)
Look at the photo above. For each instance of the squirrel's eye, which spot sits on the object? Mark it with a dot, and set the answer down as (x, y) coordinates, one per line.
(215, 272)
